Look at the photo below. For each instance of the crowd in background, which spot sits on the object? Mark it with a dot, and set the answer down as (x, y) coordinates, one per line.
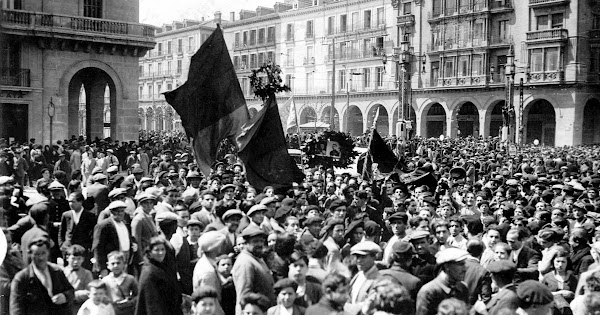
(107, 227)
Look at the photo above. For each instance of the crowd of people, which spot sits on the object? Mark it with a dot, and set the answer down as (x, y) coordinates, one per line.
(106, 227)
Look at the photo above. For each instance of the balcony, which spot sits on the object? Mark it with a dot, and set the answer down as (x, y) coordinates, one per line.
(552, 35)
(501, 40)
(372, 30)
(501, 6)
(546, 3)
(405, 20)
(27, 23)
(309, 61)
(352, 55)
(15, 77)
(546, 76)
(478, 80)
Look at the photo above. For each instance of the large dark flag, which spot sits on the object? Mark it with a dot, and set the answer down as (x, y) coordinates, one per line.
(210, 103)
(382, 154)
(263, 149)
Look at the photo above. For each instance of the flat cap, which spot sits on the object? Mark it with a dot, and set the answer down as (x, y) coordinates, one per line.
(228, 186)
(194, 222)
(112, 169)
(193, 174)
(268, 200)
(512, 182)
(398, 216)
(55, 185)
(116, 192)
(365, 248)
(313, 220)
(287, 202)
(137, 170)
(35, 198)
(451, 255)
(116, 204)
(232, 212)
(415, 235)
(146, 179)
(166, 216)
(502, 266)
(256, 208)
(252, 231)
(402, 247)
(531, 292)
(99, 177)
(336, 204)
(210, 241)
(145, 196)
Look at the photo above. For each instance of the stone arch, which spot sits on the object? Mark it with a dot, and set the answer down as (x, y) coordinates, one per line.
(326, 117)
(539, 122)
(465, 120)
(433, 119)
(383, 121)
(94, 75)
(591, 122)
(493, 118)
(354, 123)
(307, 114)
(412, 116)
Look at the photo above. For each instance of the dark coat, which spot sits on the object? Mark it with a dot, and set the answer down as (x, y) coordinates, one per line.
(478, 281)
(407, 280)
(159, 293)
(433, 293)
(325, 307)
(100, 194)
(105, 241)
(527, 265)
(81, 233)
(29, 296)
(505, 299)
(582, 259)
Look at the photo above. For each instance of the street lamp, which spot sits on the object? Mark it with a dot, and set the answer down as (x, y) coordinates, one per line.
(401, 56)
(508, 111)
(51, 112)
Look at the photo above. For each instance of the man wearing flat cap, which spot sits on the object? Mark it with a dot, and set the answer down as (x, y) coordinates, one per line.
(205, 272)
(534, 298)
(397, 222)
(424, 265)
(143, 227)
(448, 283)
(402, 257)
(250, 272)
(365, 253)
(503, 273)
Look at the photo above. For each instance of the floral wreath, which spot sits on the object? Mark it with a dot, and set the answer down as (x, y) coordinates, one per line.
(264, 87)
(319, 150)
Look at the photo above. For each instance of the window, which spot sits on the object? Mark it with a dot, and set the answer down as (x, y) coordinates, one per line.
(92, 8)
(437, 7)
(330, 25)
(367, 77)
(179, 66)
(450, 7)
(236, 42)
(169, 86)
(203, 38)
(236, 62)
(245, 39)
(367, 19)
(244, 64)
(406, 8)
(552, 62)
(141, 71)
(290, 57)
(159, 48)
(435, 72)
(150, 69)
(270, 57)
(379, 79)
(537, 60)
(261, 59)
(252, 37)
(367, 48)
(329, 79)
(342, 79)
(310, 55)
(169, 48)
(449, 68)
(478, 36)
(192, 42)
(271, 34)
(309, 29)
(290, 32)
(141, 92)
(261, 36)
(503, 29)
(477, 68)
(253, 61)
(343, 23)
(557, 20)
(310, 82)
(169, 69)
(180, 45)
(380, 17)
(289, 79)
(150, 91)
(159, 68)
(343, 50)
(158, 89)
(355, 21)
(542, 22)
(463, 66)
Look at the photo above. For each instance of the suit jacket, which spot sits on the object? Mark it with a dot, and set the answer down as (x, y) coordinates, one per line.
(410, 282)
(143, 229)
(506, 298)
(478, 281)
(82, 233)
(527, 265)
(371, 275)
(434, 292)
(100, 194)
(296, 310)
(29, 296)
(251, 274)
(105, 241)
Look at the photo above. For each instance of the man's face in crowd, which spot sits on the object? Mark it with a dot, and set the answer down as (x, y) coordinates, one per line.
(208, 201)
(292, 225)
(442, 233)
(328, 178)
(340, 296)
(229, 194)
(338, 233)
(493, 237)
(398, 227)
(421, 246)
(455, 228)
(330, 188)
(365, 262)
(512, 238)
(314, 228)
(39, 255)
(184, 217)
(256, 245)
(226, 179)
(338, 181)
(578, 213)
(194, 231)
(470, 199)
(258, 217)
(172, 197)
(339, 212)
(118, 214)
(233, 223)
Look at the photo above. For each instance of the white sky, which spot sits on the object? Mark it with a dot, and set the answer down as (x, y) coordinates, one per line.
(159, 12)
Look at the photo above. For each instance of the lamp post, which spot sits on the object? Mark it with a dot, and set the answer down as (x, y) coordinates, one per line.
(348, 84)
(51, 112)
(401, 56)
(508, 111)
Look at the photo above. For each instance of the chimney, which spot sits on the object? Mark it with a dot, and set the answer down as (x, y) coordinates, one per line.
(218, 17)
(232, 16)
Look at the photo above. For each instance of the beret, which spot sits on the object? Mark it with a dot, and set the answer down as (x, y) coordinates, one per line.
(451, 255)
(204, 292)
(285, 283)
(116, 192)
(501, 266)
(252, 231)
(210, 241)
(164, 216)
(353, 226)
(329, 225)
(255, 208)
(55, 185)
(116, 204)
(311, 207)
(372, 228)
(365, 248)
(531, 292)
(282, 212)
(402, 247)
(232, 212)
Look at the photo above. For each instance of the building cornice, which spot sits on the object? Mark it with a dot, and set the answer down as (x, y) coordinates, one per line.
(325, 7)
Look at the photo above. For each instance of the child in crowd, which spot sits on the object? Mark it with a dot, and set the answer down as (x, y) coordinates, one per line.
(123, 287)
(78, 276)
(96, 305)
(205, 301)
(286, 296)
(224, 265)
